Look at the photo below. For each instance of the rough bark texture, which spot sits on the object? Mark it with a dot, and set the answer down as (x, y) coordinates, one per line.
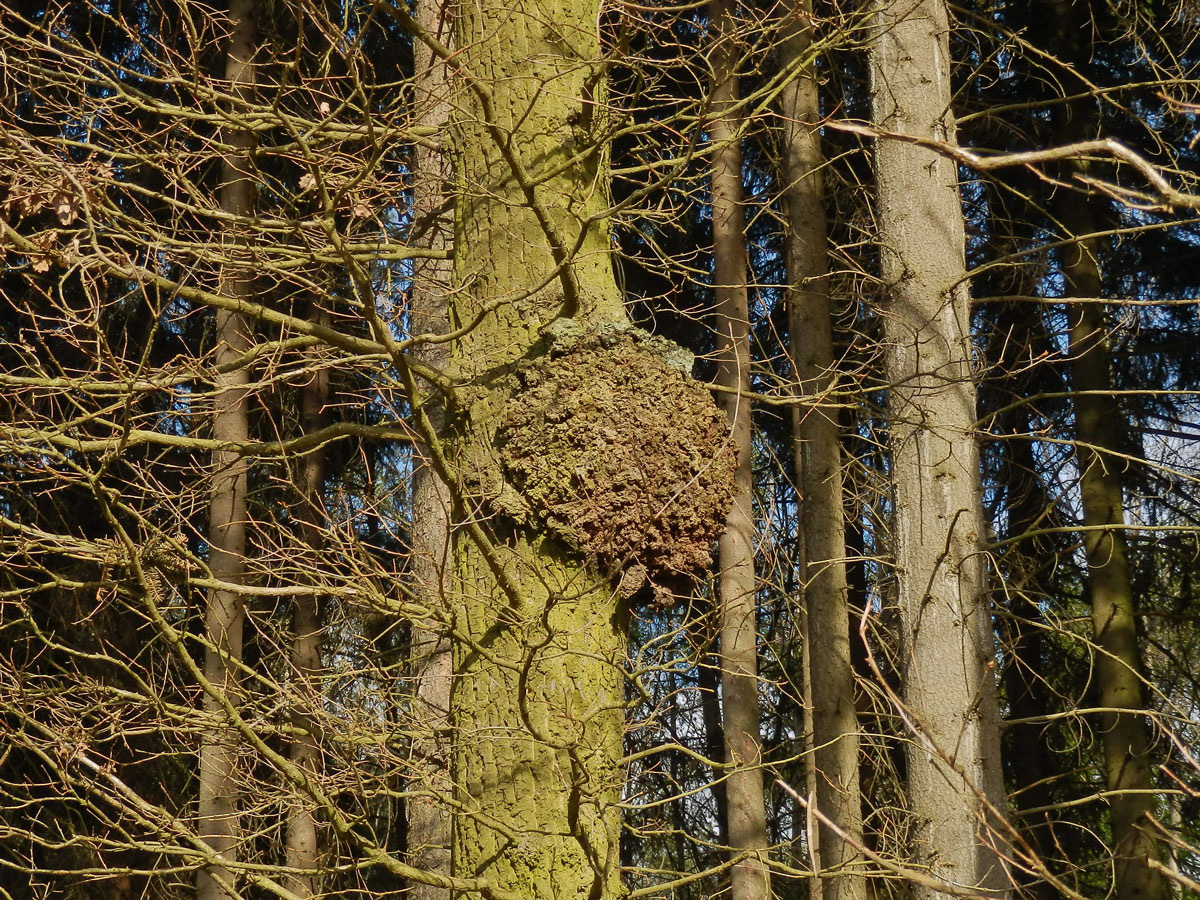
(432, 661)
(1098, 427)
(217, 819)
(302, 847)
(538, 692)
(532, 99)
(818, 468)
(740, 714)
(947, 642)
(620, 455)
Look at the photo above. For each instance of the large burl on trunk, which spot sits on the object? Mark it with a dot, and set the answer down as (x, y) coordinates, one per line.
(538, 696)
(615, 451)
(608, 475)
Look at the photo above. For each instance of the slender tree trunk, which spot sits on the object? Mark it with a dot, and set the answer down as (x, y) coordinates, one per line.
(740, 713)
(432, 661)
(1025, 682)
(818, 465)
(217, 812)
(1098, 427)
(1114, 617)
(808, 744)
(947, 648)
(302, 846)
(1020, 588)
(710, 707)
(537, 698)
(1099, 423)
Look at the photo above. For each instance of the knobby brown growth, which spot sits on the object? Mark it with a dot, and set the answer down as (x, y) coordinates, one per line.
(614, 450)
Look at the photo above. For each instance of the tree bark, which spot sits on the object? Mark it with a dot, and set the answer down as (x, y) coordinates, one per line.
(537, 698)
(1098, 426)
(432, 661)
(302, 838)
(947, 649)
(818, 468)
(708, 681)
(736, 584)
(224, 616)
(1020, 586)
(1099, 423)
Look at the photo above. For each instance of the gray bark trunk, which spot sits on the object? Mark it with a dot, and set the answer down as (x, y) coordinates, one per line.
(302, 839)
(432, 660)
(948, 647)
(736, 582)
(818, 466)
(224, 616)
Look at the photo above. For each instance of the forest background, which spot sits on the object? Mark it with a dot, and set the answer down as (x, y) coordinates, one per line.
(596, 450)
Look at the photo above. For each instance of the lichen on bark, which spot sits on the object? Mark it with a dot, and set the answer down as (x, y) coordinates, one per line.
(539, 689)
(619, 454)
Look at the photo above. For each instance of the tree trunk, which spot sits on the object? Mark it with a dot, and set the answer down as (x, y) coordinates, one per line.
(432, 662)
(537, 697)
(740, 713)
(818, 467)
(1099, 423)
(302, 847)
(947, 647)
(217, 811)
(1020, 584)
(708, 681)
(1098, 426)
